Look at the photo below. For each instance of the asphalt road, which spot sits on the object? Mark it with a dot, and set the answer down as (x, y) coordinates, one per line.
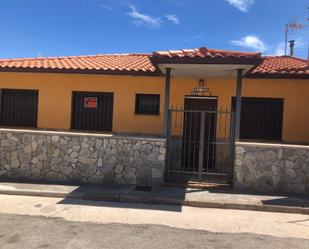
(27, 232)
(41, 222)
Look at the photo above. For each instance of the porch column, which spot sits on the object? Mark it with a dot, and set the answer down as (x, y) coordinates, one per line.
(166, 98)
(238, 104)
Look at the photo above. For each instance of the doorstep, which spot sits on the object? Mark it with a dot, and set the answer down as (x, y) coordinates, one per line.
(195, 197)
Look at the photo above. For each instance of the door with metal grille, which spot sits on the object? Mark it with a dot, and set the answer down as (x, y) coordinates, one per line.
(200, 142)
(19, 108)
(199, 131)
(92, 111)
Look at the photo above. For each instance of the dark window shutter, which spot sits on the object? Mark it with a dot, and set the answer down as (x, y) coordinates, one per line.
(147, 104)
(92, 111)
(19, 108)
(261, 118)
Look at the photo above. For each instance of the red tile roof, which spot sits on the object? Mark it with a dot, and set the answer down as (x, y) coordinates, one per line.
(117, 63)
(139, 64)
(205, 55)
(281, 66)
(205, 52)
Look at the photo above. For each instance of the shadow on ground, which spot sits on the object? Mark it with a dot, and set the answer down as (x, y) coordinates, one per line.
(125, 205)
(269, 199)
(170, 199)
(287, 202)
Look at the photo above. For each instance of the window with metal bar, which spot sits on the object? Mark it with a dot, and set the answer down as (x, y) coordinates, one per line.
(92, 111)
(18, 107)
(261, 118)
(147, 104)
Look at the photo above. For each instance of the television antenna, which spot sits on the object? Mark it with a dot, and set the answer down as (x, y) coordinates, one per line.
(292, 27)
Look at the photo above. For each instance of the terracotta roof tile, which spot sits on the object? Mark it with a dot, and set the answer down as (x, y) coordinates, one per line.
(107, 62)
(204, 52)
(205, 55)
(145, 63)
(281, 65)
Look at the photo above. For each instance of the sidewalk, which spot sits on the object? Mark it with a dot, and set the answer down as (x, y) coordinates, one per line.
(228, 199)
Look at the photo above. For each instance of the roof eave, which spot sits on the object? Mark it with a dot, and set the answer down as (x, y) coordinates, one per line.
(277, 76)
(81, 71)
(202, 60)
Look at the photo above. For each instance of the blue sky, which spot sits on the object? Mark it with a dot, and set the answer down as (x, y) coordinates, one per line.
(33, 28)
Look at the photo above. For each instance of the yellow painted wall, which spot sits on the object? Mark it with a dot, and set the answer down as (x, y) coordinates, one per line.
(296, 104)
(295, 93)
(55, 92)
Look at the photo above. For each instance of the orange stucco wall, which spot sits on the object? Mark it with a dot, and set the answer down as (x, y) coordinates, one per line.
(294, 92)
(55, 93)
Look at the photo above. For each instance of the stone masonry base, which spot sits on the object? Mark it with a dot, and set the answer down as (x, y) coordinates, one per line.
(81, 158)
(272, 167)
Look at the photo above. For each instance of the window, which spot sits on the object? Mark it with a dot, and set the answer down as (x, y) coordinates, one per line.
(19, 108)
(147, 104)
(261, 118)
(92, 111)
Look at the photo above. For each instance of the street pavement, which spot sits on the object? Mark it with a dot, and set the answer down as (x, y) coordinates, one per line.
(43, 222)
(211, 198)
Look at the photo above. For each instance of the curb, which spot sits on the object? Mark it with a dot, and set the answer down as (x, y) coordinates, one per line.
(249, 207)
(42, 194)
(143, 198)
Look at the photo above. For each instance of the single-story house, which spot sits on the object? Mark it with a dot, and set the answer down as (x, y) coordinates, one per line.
(202, 100)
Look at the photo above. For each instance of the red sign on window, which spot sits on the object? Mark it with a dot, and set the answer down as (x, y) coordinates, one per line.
(90, 102)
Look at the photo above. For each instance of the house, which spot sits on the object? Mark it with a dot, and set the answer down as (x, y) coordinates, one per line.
(202, 100)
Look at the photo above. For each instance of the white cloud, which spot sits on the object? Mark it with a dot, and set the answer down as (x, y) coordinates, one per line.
(299, 42)
(107, 7)
(179, 3)
(242, 5)
(280, 48)
(143, 19)
(250, 41)
(198, 37)
(172, 18)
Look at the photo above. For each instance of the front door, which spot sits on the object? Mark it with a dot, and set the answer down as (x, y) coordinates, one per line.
(199, 135)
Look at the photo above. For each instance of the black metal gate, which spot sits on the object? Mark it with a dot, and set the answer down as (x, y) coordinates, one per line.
(19, 108)
(200, 145)
(92, 111)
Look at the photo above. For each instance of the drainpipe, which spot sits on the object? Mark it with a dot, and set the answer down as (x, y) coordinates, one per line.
(238, 104)
(166, 98)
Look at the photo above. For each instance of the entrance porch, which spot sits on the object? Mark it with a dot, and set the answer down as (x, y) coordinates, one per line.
(201, 134)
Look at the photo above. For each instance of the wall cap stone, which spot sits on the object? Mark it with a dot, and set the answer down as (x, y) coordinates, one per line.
(82, 134)
(272, 145)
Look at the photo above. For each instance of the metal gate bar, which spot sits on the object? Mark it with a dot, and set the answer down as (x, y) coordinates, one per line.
(200, 145)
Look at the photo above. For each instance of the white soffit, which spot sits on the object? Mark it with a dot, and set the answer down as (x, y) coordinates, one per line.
(205, 70)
